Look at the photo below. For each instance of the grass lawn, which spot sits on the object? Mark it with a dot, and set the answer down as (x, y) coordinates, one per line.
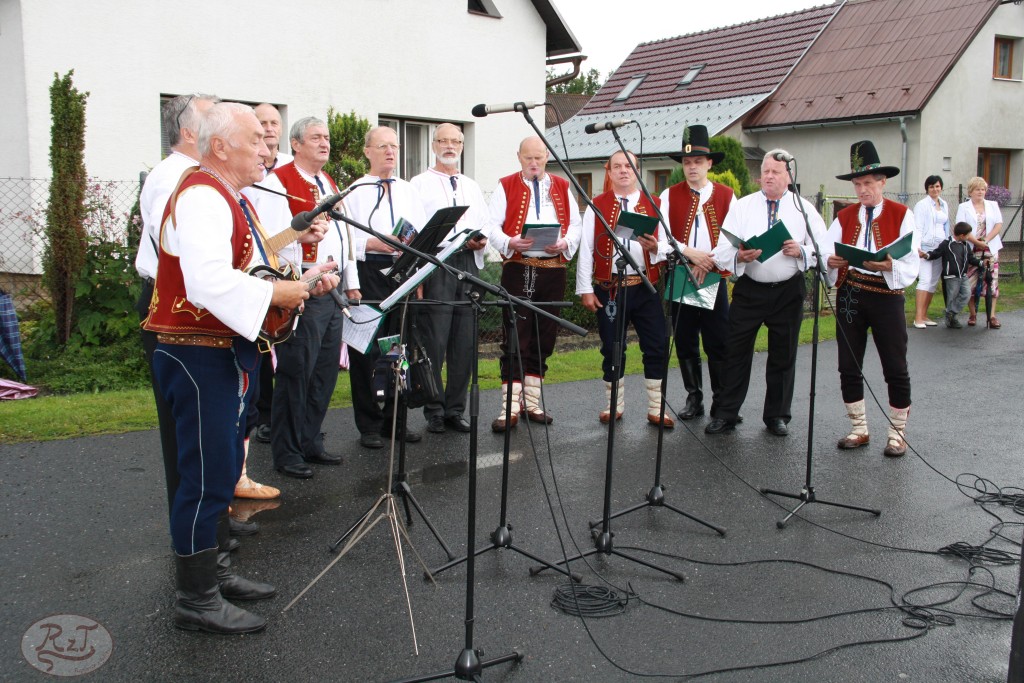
(62, 417)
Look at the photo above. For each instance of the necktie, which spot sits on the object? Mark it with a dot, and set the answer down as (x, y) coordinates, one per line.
(696, 216)
(387, 190)
(773, 211)
(252, 228)
(867, 227)
(455, 188)
(625, 203)
(536, 196)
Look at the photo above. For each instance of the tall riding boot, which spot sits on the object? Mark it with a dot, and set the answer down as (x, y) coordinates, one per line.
(247, 488)
(517, 391)
(654, 414)
(232, 586)
(200, 606)
(858, 435)
(620, 402)
(532, 400)
(897, 443)
(693, 381)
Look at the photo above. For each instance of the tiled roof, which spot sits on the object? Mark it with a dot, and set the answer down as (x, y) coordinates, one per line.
(740, 60)
(877, 57)
(566, 104)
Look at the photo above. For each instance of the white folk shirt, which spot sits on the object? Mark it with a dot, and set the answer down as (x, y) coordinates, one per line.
(281, 160)
(369, 205)
(499, 204)
(585, 262)
(904, 271)
(436, 192)
(748, 217)
(159, 185)
(200, 236)
(700, 236)
(276, 215)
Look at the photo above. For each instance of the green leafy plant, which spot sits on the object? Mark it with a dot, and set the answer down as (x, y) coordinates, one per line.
(348, 132)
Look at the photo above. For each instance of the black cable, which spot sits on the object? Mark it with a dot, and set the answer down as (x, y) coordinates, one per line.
(588, 601)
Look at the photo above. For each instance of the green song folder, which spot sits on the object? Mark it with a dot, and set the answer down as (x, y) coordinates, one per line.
(638, 223)
(856, 257)
(769, 242)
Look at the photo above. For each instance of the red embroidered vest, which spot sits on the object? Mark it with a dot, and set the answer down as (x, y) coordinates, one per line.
(884, 229)
(297, 186)
(609, 206)
(682, 209)
(517, 198)
(169, 309)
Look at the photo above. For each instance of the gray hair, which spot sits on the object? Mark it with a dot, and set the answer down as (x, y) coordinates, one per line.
(299, 128)
(221, 121)
(369, 134)
(778, 150)
(181, 112)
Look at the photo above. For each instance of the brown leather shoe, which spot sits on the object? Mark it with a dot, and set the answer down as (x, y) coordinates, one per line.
(539, 416)
(851, 441)
(895, 448)
(605, 415)
(668, 421)
(499, 424)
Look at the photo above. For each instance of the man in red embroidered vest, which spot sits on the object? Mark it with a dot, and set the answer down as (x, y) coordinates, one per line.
(695, 209)
(594, 267)
(531, 197)
(207, 312)
(307, 362)
(769, 293)
(871, 298)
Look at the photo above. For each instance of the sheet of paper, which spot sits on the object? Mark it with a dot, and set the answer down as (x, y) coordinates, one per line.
(360, 330)
(543, 236)
(684, 292)
(995, 245)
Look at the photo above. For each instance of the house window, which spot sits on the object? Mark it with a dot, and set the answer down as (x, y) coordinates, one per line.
(485, 7)
(690, 75)
(414, 136)
(661, 181)
(586, 181)
(633, 84)
(1002, 62)
(994, 166)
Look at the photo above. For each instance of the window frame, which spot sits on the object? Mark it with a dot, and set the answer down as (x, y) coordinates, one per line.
(1001, 41)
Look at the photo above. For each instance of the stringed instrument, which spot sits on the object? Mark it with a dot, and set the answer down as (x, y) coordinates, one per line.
(280, 322)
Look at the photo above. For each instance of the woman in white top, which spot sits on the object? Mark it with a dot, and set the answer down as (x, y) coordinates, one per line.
(986, 219)
(931, 216)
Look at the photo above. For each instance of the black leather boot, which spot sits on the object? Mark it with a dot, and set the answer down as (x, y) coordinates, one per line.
(199, 606)
(693, 382)
(232, 586)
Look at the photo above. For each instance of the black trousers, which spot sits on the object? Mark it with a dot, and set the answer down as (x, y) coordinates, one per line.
(448, 335)
(307, 372)
(375, 286)
(779, 307)
(694, 323)
(643, 309)
(857, 311)
(168, 437)
(536, 333)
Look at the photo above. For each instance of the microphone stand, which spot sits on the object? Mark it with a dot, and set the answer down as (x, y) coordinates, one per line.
(603, 540)
(807, 494)
(656, 496)
(468, 665)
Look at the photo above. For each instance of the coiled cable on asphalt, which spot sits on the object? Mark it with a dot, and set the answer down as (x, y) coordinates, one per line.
(588, 601)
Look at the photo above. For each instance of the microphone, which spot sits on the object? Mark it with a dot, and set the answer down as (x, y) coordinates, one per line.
(592, 128)
(782, 156)
(482, 110)
(303, 220)
(342, 301)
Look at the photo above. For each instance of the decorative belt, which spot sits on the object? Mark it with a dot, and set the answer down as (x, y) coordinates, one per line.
(631, 280)
(194, 340)
(539, 262)
(870, 283)
(149, 281)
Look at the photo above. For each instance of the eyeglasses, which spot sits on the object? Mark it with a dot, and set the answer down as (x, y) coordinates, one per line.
(448, 142)
(183, 110)
(387, 146)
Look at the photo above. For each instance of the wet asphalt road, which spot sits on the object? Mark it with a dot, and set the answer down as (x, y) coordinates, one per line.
(83, 531)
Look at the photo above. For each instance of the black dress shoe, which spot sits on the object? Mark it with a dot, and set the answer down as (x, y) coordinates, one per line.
(436, 424)
(410, 437)
(720, 426)
(324, 458)
(239, 528)
(299, 470)
(263, 433)
(458, 423)
(371, 441)
(777, 426)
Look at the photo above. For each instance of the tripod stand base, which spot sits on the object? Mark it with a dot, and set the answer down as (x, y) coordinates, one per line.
(468, 667)
(806, 496)
(502, 538)
(603, 544)
(656, 498)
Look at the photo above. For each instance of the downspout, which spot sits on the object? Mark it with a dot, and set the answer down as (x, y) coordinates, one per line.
(904, 197)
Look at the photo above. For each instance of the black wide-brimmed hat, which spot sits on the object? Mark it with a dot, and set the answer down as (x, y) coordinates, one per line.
(864, 161)
(695, 144)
